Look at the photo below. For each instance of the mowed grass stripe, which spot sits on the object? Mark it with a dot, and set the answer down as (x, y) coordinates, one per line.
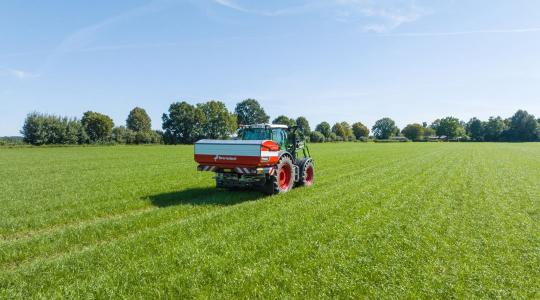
(82, 238)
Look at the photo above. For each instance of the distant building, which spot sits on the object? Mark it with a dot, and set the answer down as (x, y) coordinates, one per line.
(399, 139)
(438, 138)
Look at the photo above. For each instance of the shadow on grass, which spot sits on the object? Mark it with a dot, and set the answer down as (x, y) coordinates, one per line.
(204, 196)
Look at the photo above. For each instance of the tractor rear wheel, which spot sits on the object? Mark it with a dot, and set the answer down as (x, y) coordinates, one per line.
(307, 172)
(282, 180)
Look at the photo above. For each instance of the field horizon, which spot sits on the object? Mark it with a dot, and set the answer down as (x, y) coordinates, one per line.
(407, 220)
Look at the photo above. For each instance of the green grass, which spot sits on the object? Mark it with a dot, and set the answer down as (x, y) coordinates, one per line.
(412, 220)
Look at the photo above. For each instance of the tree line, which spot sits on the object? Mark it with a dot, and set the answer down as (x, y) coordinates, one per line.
(185, 123)
(92, 128)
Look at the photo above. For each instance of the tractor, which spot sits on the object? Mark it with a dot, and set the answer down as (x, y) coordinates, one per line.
(270, 157)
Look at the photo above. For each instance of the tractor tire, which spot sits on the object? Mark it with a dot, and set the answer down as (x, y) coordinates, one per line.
(219, 184)
(282, 180)
(307, 172)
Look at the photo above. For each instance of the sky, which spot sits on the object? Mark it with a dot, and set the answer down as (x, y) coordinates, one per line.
(327, 60)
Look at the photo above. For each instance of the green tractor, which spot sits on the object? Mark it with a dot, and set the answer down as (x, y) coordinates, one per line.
(271, 157)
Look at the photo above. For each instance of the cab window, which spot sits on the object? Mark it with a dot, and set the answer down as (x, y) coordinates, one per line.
(255, 134)
(279, 136)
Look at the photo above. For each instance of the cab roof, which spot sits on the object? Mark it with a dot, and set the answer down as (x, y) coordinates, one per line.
(271, 126)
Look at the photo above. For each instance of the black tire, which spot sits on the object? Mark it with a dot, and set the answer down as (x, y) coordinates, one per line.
(219, 184)
(307, 172)
(275, 183)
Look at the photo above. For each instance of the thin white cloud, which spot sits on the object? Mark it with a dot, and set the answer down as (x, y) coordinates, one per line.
(382, 16)
(270, 13)
(232, 5)
(376, 16)
(456, 33)
(19, 74)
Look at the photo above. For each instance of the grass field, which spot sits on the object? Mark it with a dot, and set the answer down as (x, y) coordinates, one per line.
(383, 220)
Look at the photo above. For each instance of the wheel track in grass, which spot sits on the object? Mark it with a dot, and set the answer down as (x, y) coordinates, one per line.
(164, 223)
(90, 221)
(109, 229)
(70, 207)
(165, 220)
(368, 167)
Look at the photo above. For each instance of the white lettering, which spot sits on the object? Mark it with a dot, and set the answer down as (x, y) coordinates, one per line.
(219, 157)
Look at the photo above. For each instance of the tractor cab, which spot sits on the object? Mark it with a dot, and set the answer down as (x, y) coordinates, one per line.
(289, 138)
(273, 132)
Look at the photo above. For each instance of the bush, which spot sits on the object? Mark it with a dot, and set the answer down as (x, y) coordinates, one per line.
(332, 137)
(316, 137)
(11, 140)
(123, 135)
(148, 137)
(43, 129)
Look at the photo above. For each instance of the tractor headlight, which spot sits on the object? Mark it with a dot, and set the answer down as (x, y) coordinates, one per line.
(265, 159)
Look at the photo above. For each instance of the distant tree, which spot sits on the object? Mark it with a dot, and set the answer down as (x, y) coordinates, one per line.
(360, 130)
(428, 132)
(413, 132)
(303, 124)
(284, 120)
(74, 132)
(347, 129)
(384, 128)
(449, 126)
(523, 127)
(98, 126)
(324, 128)
(338, 130)
(249, 112)
(34, 130)
(138, 120)
(218, 122)
(316, 137)
(475, 129)
(494, 129)
(538, 130)
(183, 124)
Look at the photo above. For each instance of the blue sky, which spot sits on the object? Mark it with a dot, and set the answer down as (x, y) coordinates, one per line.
(333, 60)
